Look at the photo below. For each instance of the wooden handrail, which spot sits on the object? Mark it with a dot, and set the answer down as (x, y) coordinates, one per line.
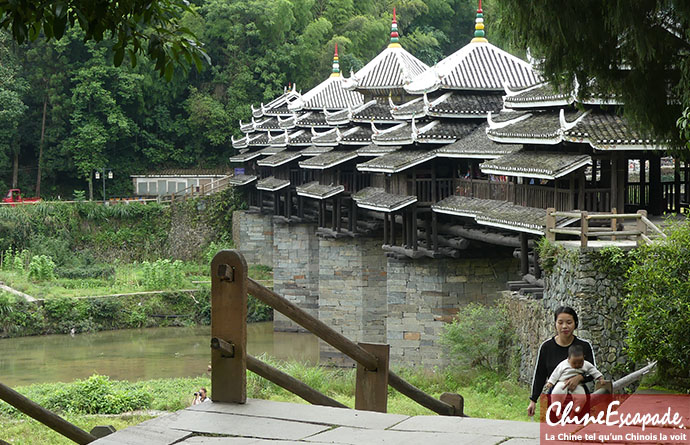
(46, 417)
(229, 290)
(343, 344)
(626, 380)
(584, 232)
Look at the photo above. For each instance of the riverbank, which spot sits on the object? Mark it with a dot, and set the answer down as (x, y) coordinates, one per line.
(487, 395)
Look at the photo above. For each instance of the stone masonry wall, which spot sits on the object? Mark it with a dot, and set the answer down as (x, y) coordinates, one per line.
(295, 270)
(425, 294)
(253, 236)
(352, 292)
(575, 281)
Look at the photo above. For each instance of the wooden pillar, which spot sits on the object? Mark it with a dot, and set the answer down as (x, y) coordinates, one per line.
(550, 224)
(643, 183)
(371, 389)
(656, 193)
(571, 193)
(229, 326)
(414, 227)
(333, 215)
(385, 228)
(392, 232)
(434, 230)
(537, 268)
(433, 185)
(351, 226)
(338, 213)
(276, 203)
(323, 213)
(405, 228)
(261, 201)
(427, 229)
(582, 183)
(622, 177)
(288, 203)
(614, 181)
(594, 173)
(524, 259)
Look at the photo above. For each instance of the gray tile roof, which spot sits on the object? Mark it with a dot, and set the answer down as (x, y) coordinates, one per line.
(400, 134)
(390, 70)
(608, 131)
(385, 202)
(540, 127)
(288, 96)
(270, 123)
(329, 94)
(377, 150)
(544, 94)
(279, 159)
(536, 164)
(495, 213)
(245, 156)
(341, 117)
(367, 192)
(270, 151)
(329, 160)
(240, 180)
(357, 135)
(330, 137)
(446, 131)
(272, 184)
(319, 191)
(260, 141)
(465, 104)
(314, 150)
(312, 119)
(373, 111)
(476, 145)
(476, 66)
(397, 161)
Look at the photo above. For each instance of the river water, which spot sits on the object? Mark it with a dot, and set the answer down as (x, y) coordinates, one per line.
(136, 354)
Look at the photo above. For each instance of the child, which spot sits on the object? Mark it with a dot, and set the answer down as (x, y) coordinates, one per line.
(570, 367)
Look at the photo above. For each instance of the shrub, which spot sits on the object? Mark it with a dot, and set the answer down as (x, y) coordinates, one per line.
(98, 395)
(41, 268)
(102, 271)
(214, 247)
(163, 274)
(480, 337)
(658, 300)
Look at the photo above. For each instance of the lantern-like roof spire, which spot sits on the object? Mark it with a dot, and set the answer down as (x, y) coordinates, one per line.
(479, 26)
(394, 33)
(336, 63)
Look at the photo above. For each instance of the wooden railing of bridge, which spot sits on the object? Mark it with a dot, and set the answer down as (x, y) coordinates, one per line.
(192, 191)
(643, 232)
(230, 361)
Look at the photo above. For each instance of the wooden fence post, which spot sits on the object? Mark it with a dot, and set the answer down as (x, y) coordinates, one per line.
(614, 223)
(641, 227)
(371, 389)
(229, 327)
(584, 229)
(550, 224)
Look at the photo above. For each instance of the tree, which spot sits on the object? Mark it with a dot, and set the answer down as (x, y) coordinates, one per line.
(150, 27)
(638, 53)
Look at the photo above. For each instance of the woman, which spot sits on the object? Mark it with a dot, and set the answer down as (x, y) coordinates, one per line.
(555, 350)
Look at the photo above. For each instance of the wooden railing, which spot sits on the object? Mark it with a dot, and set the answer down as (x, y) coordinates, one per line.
(643, 232)
(229, 359)
(47, 418)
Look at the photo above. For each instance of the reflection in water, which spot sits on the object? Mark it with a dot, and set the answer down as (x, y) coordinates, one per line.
(136, 354)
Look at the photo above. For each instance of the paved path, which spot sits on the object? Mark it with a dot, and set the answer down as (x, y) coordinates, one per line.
(263, 422)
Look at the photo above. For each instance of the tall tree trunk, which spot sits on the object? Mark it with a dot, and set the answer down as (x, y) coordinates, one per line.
(15, 169)
(40, 146)
(90, 189)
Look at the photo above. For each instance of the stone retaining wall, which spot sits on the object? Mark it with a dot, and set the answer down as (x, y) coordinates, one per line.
(253, 236)
(295, 270)
(423, 295)
(352, 292)
(575, 281)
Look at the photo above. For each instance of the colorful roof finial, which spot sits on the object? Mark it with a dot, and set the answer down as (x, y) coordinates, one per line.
(479, 26)
(336, 64)
(394, 33)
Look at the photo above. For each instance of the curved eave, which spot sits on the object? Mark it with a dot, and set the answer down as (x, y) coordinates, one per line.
(265, 163)
(374, 169)
(537, 104)
(245, 158)
(329, 165)
(244, 182)
(524, 139)
(275, 189)
(461, 115)
(436, 140)
(453, 212)
(513, 228)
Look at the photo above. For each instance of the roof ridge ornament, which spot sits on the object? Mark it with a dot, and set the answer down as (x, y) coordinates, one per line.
(336, 63)
(391, 103)
(415, 131)
(565, 125)
(427, 104)
(395, 40)
(373, 128)
(495, 125)
(479, 34)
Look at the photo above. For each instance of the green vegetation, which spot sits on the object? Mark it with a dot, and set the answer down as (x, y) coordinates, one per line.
(486, 394)
(481, 337)
(658, 302)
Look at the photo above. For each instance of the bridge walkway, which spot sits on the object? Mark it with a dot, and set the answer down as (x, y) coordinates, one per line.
(279, 423)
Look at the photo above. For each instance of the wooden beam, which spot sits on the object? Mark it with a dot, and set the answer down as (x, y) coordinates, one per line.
(413, 216)
(229, 323)
(290, 383)
(614, 181)
(656, 193)
(434, 230)
(47, 418)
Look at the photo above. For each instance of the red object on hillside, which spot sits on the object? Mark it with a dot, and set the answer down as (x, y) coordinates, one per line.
(14, 196)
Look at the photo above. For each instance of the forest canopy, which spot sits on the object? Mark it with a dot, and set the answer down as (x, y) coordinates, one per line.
(67, 102)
